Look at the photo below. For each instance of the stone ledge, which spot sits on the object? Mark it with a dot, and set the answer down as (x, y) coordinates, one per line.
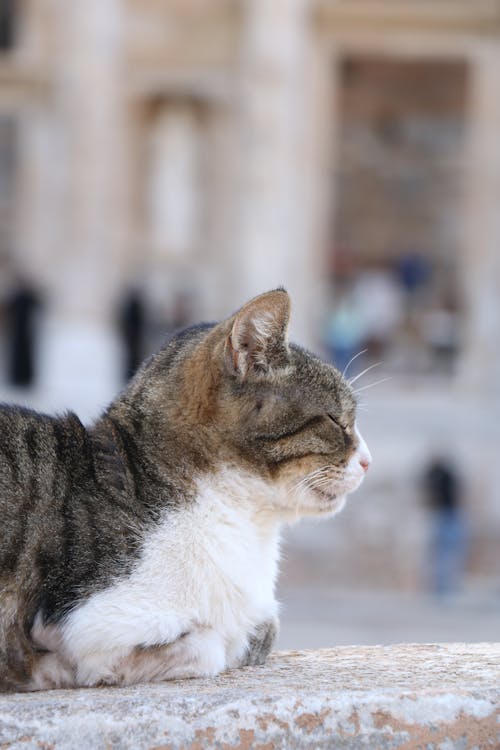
(406, 696)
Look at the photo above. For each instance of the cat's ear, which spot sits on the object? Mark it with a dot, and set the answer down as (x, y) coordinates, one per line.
(258, 338)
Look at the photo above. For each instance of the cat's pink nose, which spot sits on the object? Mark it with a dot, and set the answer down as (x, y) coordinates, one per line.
(364, 462)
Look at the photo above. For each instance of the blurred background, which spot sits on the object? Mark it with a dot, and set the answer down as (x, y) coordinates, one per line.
(161, 161)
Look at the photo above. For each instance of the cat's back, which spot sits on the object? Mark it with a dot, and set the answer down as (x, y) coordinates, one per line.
(38, 458)
(35, 448)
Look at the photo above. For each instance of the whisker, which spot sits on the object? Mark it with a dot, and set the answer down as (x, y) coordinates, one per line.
(371, 385)
(319, 485)
(312, 480)
(321, 470)
(363, 351)
(301, 484)
(367, 369)
(325, 480)
(304, 480)
(322, 479)
(314, 473)
(362, 406)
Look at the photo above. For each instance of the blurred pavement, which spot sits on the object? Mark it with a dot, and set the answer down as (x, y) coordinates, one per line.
(321, 617)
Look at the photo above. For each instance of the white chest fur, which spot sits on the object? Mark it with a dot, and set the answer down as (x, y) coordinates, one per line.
(209, 568)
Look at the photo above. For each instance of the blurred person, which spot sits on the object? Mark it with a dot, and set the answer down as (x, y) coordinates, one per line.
(442, 489)
(379, 302)
(414, 276)
(132, 327)
(440, 330)
(21, 310)
(344, 330)
(414, 272)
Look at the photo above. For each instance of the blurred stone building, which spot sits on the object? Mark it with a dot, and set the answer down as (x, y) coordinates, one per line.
(206, 150)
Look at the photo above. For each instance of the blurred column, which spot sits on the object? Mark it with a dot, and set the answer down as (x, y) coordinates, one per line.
(272, 238)
(82, 362)
(173, 207)
(173, 187)
(481, 357)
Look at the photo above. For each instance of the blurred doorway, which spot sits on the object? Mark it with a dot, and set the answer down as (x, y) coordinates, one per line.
(394, 258)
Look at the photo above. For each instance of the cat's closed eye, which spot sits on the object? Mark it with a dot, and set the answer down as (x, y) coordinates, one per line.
(337, 422)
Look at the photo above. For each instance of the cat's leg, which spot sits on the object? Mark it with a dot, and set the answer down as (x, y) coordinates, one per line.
(50, 669)
(199, 653)
(103, 633)
(18, 655)
(17, 658)
(50, 672)
(24, 668)
(260, 643)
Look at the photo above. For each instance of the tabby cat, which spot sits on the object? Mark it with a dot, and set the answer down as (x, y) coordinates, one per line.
(145, 547)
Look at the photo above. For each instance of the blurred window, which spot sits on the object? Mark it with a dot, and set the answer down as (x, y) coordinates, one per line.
(399, 176)
(7, 24)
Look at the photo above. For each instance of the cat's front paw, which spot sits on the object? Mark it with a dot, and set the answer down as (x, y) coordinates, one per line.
(260, 643)
(51, 672)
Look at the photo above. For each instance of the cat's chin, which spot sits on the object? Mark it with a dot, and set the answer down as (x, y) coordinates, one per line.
(320, 504)
(329, 502)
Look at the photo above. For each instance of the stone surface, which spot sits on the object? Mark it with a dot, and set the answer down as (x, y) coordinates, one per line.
(405, 696)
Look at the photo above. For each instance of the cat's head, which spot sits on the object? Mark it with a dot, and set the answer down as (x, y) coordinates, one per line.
(251, 401)
(290, 414)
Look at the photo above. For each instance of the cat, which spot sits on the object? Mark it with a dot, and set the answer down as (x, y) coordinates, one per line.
(145, 547)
